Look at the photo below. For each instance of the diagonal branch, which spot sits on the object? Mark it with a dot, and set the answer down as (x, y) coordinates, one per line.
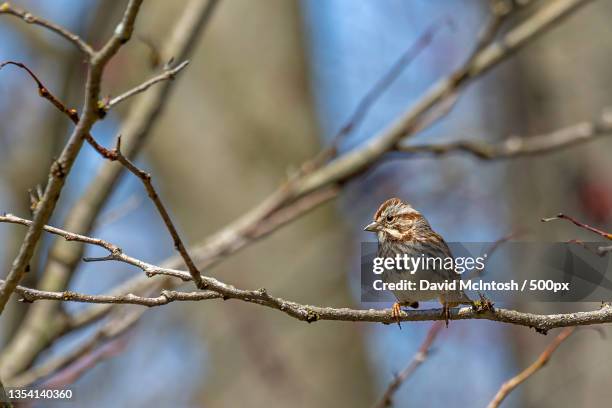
(7, 8)
(383, 83)
(62, 166)
(602, 250)
(167, 74)
(108, 332)
(574, 221)
(145, 178)
(116, 155)
(237, 234)
(72, 113)
(419, 358)
(514, 382)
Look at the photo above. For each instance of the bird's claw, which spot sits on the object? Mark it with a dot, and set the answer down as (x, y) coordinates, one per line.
(446, 313)
(396, 312)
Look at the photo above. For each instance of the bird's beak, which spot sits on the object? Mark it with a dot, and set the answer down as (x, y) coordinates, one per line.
(372, 227)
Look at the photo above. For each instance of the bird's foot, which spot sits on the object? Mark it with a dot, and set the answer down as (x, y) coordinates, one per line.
(446, 313)
(482, 305)
(396, 312)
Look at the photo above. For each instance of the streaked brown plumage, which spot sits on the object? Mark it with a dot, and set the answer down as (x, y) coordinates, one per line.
(401, 229)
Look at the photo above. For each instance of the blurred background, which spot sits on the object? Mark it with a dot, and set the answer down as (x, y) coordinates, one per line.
(270, 82)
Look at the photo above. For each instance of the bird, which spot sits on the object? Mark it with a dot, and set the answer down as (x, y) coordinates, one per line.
(400, 229)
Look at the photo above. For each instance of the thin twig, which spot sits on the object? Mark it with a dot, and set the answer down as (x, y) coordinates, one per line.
(118, 156)
(419, 358)
(383, 83)
(7, 8)
(514, 382)
(602, 250)
(72, 113)
(594, 230)
(167, 74)
(357, 160)
(62, 166)
(145, 178)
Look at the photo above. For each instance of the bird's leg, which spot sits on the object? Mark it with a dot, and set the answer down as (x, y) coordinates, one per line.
(396, 312)
(446, 309)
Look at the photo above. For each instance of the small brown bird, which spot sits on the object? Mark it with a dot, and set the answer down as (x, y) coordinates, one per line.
(403, 230)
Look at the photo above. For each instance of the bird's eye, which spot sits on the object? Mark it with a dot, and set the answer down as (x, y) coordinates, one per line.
(389, 218)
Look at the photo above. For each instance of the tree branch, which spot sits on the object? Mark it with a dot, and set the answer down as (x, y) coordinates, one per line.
(419, 358)
(311, 313)
(167, 74)
(238, 234)
(116, 155)
(308, 313)
(6, 8)
(522, 146)
(574, 221)
(514, 382)
(145, 178)
(108, 332)
(63, 259)
(62, 166)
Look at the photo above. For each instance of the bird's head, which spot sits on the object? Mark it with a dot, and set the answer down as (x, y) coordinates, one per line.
(395, 221)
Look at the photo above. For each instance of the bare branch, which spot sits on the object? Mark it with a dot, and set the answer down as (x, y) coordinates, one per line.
(419, 358)
(383, 83)
(522, 146)
(62, 166)
(88, 349)
(31, 295)
(514, 382)
(143, 115)
(118, 156)
(70, 112)
(239, 234)
(167, 74)
(308, 313)
(594, 230)
(7, 8)
(145, 178)
(357, 160)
